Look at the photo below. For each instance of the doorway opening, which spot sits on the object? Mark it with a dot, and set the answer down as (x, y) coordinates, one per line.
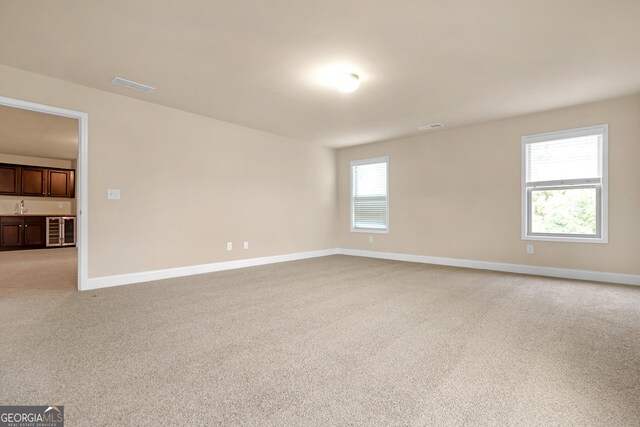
(46, 211)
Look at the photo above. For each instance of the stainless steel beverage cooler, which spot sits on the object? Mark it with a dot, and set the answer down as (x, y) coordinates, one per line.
(61, 231)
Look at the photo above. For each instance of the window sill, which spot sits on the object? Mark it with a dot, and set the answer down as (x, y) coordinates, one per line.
(567, 239)
(369, 230)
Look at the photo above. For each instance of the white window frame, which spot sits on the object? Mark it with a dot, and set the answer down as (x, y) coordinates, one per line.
(384, 159)
(602, 205)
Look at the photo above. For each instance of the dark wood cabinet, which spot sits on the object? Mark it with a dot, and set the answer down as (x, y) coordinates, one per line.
(21, 180)
(22, 232)
(10, 179)
(34, 182)
(35, 231)
(60, 183)
(11, 234)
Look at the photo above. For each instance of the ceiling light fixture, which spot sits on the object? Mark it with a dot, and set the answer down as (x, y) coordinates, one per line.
(431, 126)
(347, 82)
(132, 85)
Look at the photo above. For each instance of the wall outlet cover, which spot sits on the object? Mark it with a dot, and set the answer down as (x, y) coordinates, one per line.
(229, 246)
(246, 245)
(113, 194)
(529, 249)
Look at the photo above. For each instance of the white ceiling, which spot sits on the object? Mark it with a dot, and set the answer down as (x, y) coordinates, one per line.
(255, 63)
(28, 133)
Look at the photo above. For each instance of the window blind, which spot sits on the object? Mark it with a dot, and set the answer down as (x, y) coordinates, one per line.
(369, 194)
(564, 159)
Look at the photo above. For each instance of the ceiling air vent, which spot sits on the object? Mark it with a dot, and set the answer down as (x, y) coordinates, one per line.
(431, 126)
(132, 85)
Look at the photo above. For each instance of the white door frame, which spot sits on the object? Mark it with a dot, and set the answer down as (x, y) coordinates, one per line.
(81, 177)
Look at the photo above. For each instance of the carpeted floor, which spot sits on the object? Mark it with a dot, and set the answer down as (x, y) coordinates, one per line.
(33, 271)
(329, 341)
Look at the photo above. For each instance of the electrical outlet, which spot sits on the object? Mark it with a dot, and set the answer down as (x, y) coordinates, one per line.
(229, 246)
(529, 249)
(370, 239)
(246, 245)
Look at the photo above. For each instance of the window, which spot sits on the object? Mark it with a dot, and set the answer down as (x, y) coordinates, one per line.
(564, 185)
(369, 195)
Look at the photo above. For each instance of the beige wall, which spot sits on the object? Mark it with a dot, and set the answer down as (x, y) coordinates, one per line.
(36, 161)
(189, 183)
(457, 193)
(37, 205)
(31, 133)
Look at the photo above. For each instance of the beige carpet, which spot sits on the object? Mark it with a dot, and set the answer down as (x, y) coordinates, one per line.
(329, 341)
(54, 269)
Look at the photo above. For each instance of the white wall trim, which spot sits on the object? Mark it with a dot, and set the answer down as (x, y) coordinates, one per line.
(147, 276)
(565, 273)
(82, 177)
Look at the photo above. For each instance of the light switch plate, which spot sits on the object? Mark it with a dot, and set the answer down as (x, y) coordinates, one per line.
(113, 194)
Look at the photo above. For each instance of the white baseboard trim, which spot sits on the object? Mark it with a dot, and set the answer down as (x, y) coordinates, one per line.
(565, 273)
(169, 273)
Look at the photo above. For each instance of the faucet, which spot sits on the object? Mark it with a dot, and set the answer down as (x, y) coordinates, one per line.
(21, 209)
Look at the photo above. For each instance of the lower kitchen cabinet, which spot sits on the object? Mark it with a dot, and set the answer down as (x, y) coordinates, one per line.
(35, 231)
(11, 234)
(23, 232)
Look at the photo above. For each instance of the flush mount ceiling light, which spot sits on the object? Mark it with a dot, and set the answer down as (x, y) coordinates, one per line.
(344, 77)
(132, 85)
(347, 82)
(431, 126)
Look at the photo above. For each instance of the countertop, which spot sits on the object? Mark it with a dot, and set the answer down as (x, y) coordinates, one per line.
(38, 214)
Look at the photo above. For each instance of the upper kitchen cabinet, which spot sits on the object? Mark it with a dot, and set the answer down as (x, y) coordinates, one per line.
(22, 180)
(34, 181)
(10, 179)
(61, 183)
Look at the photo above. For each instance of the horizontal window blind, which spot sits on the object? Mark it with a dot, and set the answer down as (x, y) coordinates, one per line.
(564, 159)
(369, 194)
